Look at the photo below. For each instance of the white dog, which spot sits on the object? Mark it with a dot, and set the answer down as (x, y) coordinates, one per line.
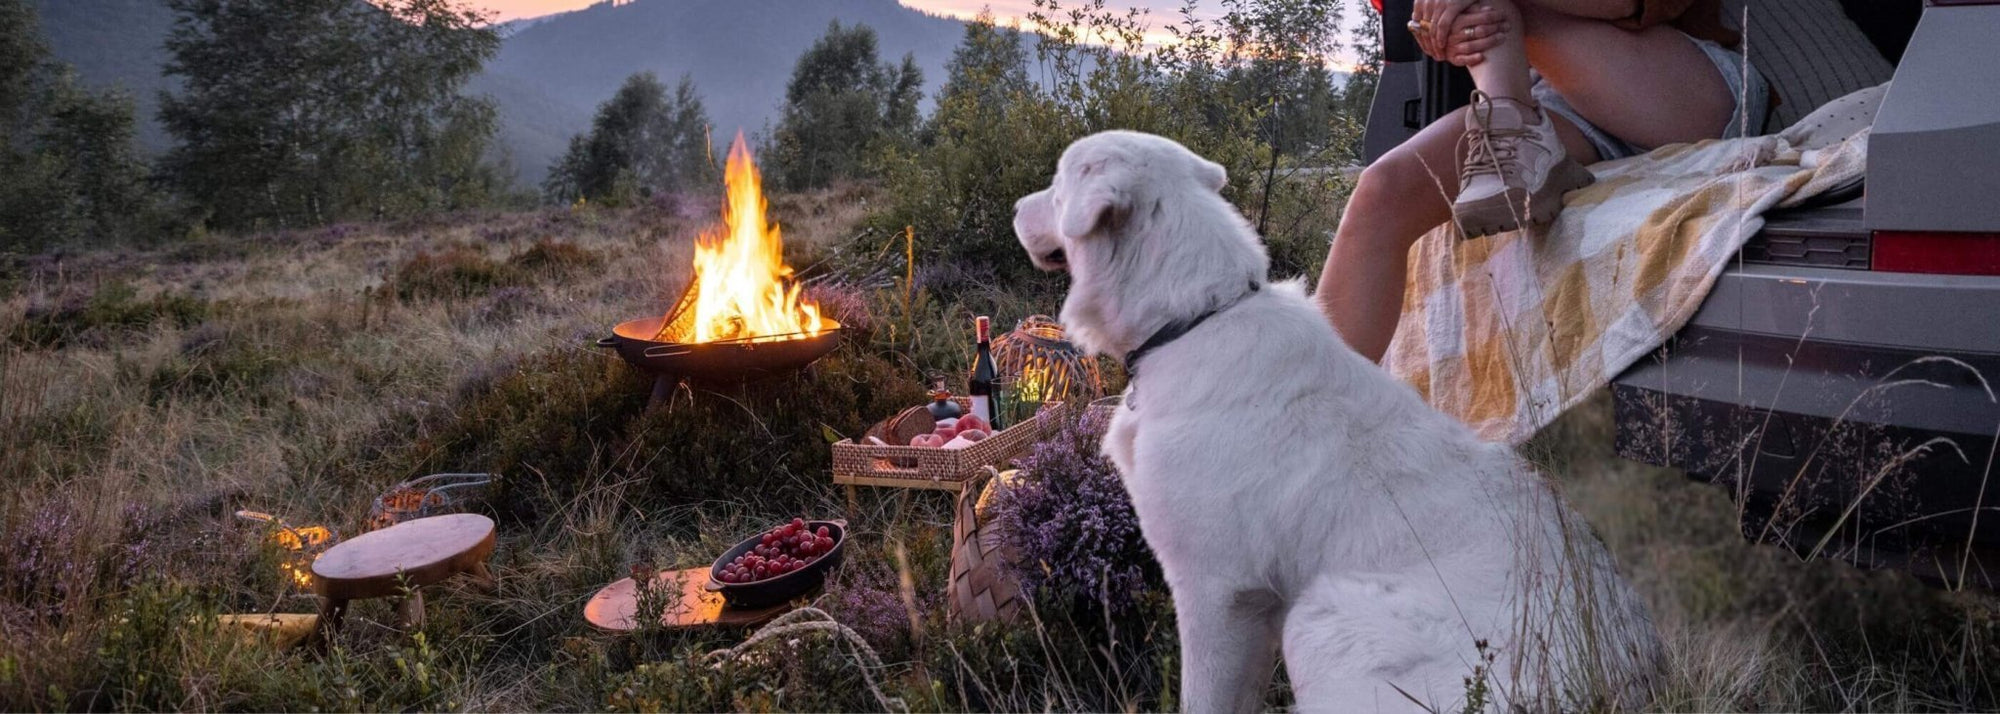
(1295, 494)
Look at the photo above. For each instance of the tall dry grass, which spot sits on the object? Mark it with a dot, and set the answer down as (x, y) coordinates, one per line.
(145, 395)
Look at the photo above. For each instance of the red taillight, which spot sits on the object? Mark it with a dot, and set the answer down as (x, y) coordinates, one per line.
(1377, 4)
(1931, 252)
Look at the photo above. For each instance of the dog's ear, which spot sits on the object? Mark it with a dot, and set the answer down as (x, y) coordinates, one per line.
(1211, 174)
(1094, 199)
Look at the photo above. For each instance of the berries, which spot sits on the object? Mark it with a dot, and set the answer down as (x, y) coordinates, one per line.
(788, 548)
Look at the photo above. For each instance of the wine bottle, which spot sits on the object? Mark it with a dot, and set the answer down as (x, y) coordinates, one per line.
(983, 374)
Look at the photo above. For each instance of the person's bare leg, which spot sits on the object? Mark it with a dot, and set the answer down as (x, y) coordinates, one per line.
(1503, 70)
(1400, 196)
(1650, 87)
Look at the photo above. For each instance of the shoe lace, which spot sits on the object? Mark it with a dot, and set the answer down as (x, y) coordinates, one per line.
(1489, 150)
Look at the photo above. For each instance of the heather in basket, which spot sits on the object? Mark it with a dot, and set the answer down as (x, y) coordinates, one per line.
(1072, 524)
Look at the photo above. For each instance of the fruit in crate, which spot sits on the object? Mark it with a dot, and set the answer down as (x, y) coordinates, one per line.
(972, 423)
(784, 549)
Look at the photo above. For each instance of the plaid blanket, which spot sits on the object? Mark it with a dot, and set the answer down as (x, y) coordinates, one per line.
(1507, 332)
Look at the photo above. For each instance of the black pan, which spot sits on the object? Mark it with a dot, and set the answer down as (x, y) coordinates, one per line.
(742, 361)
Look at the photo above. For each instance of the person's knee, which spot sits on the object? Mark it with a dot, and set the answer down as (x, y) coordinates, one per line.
(1536, 22)
(1384, 188)
(1398, 175)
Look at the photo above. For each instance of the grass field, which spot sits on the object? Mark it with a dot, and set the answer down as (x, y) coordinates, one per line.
(145, 395)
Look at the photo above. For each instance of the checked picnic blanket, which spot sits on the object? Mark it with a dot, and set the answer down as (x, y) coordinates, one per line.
(1508, 331)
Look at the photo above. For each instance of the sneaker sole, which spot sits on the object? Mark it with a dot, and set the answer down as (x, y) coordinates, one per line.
(1502, 213)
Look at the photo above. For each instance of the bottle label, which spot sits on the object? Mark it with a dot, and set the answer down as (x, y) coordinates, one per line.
(982, 407)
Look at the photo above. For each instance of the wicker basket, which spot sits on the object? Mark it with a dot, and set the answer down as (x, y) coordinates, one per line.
(982, 586)
(863, 464)
(431, 495)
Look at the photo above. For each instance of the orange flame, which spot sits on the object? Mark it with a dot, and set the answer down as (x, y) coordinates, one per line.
(742, 288)
(304, 542)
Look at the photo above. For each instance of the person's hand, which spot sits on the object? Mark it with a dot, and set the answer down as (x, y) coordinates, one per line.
(1431, 21)
(1476, 30)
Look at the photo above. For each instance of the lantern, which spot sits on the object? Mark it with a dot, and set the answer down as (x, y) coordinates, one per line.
(1045, 367)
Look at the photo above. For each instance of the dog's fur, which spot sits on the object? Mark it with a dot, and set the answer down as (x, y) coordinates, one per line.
(1296, 495)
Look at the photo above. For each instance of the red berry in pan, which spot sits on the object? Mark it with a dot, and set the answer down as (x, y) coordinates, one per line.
(824, 533)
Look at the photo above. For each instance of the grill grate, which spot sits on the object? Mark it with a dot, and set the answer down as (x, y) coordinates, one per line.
(1818, 250)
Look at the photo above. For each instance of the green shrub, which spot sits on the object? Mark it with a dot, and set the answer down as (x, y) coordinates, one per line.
(561, 420)
(996, 137)
(454, 272)
(211, 364)
(113, 308)
(554, 257)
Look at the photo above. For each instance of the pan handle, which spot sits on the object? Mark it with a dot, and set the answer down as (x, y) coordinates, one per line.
(655, 352)
(607, 342)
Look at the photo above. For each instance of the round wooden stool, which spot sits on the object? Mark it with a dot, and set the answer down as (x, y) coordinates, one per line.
(616, 607)
(398, 560)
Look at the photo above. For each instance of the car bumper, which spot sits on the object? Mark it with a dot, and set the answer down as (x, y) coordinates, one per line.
(1852, 414)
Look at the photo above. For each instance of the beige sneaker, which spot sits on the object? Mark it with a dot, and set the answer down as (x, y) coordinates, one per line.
(1514, 173)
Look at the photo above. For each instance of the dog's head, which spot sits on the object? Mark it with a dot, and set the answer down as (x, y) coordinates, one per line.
(1140, 224)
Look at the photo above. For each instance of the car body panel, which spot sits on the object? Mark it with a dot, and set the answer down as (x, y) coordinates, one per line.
(1934, 155)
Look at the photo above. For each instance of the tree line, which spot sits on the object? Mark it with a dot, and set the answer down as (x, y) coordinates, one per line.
(306, 112)
(288, 114)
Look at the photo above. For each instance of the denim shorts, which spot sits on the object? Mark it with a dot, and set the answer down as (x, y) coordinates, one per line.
(1753, 101)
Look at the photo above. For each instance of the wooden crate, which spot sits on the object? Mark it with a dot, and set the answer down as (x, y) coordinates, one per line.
(861, 464)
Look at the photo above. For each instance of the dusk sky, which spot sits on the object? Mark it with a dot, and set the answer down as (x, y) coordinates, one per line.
(1163, 12)
(1002, 9)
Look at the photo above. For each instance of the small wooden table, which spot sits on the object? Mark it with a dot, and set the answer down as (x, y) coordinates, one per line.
(616, 607)
(398, 560)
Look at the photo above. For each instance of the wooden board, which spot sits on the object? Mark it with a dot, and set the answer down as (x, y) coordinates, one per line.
(417, 552)
(282, 629)
(615, 607)
(953, 486)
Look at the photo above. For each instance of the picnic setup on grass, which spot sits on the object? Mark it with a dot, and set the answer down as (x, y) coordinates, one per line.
(741, 319)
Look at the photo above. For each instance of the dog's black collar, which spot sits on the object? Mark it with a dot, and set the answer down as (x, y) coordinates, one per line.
(1172, 331)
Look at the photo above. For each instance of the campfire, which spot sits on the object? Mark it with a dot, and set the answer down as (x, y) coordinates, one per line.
(742, 316)
(741, 289)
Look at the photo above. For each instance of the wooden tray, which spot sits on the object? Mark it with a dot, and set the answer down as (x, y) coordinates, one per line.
(615, 608)
(862, 464)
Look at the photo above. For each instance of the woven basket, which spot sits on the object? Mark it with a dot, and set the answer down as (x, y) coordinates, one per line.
(982, 586)
(861, 464)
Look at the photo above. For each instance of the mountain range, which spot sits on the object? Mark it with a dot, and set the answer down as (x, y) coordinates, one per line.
(551, 73)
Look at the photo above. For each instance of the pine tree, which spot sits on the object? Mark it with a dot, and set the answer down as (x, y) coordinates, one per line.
(843, 107)
(642, 142)
(68, 169)
(310, 111)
